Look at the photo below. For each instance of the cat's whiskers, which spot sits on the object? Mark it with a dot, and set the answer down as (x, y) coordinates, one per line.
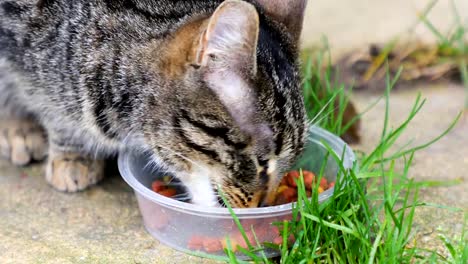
(321, 111)
(181, 156)
(317, 120)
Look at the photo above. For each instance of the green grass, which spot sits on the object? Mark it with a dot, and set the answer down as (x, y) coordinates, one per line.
(322, 97)
(370, 217)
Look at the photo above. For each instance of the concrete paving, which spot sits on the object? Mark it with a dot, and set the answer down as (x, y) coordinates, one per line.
(100, 225)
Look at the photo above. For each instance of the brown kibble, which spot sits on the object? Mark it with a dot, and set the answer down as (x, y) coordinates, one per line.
(247, 223)
(280, 199)
(287, 190)
(278, 241)
(241, 241)
(275, 231)
(261, 231)
(324, 183)
(320, 190)
(158, 186)
(290, 194)
(195, 243)
(292, 177)
(284, 180)
(212, 244)
(308, 179)
(234, 244)
(282, 188)
(169, 192)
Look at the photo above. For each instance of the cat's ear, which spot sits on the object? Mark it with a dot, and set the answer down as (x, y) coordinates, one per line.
(230, 39)
(227, 53)
(288, 12)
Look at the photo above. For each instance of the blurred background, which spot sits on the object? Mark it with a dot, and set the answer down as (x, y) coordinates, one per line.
(350, 24)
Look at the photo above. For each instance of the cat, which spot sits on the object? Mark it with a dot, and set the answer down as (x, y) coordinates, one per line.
(211, 89)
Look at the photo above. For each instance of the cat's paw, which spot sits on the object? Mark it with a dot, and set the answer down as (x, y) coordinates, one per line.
(22, 141)
(71, 172)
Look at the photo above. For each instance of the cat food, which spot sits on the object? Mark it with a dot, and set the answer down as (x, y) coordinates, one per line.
(255, 229)
(162, 187)
(214, 244)
(287, 191)
(262, 232)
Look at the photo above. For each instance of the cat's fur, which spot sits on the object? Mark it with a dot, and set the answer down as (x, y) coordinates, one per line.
(214, 96)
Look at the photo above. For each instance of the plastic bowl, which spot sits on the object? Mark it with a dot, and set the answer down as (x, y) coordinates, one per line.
(186, 227)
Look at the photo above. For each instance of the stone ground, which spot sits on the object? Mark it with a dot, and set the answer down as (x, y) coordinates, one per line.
(103, 225)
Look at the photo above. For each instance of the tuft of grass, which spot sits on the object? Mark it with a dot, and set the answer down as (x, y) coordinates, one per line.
(369, 218)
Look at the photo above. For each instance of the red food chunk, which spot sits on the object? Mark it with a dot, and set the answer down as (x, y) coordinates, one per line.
(290, 194)
(331, 185)
(292, 177)
(324, 183)
(280, 199)
(262, 231)
(248, 223)
(212, 244)
(234, 244)
(195, 243)
(158, 186)
(284, 180)
(278, 241)
(169, 192)
(308, 179)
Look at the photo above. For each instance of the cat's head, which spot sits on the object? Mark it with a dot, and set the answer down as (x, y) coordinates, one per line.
(240, 120)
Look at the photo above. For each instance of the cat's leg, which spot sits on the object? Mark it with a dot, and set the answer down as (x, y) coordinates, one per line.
(68, 169)
(22, 140)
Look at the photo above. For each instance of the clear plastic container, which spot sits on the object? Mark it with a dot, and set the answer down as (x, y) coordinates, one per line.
(184, 226)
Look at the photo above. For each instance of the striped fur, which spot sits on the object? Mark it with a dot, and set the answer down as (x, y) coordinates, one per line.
(103, 76)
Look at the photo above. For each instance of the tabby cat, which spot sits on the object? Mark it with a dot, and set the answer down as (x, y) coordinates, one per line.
(210, 88)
